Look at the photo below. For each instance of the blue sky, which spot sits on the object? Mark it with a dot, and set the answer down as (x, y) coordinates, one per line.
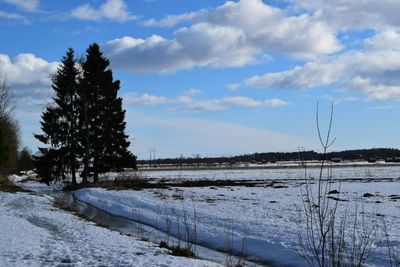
(218, 77)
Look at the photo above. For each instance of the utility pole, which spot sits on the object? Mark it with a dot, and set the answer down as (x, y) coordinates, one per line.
(152, 152)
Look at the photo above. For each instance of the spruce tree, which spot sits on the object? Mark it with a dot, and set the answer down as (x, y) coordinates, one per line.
(59, 124)
(102, 117)
(48, 163)
(117, 156)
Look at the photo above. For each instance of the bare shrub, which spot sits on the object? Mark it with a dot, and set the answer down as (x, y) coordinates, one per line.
(393, 253)
(330, 232)
(9, 132)
(137, 225)
(186, 227)
(232, 258)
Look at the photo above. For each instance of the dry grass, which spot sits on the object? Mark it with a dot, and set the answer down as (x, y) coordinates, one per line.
(7, 186)
(118, 184)
(178, 251)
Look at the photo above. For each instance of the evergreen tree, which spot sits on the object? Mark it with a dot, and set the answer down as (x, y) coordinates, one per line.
(116, 153)
(86, 121)
(24, 160)
(102, 117)
(59, 124)
(48, 163)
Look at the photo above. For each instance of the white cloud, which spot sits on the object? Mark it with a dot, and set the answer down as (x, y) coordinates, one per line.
(13, 16)
(231, 35)
(172, 20)
(233, 86)
(192, 92)
(312, 74)
(112, 10)
(374, 71)
(338, 99)
(383, 40)
(350, 14)
(145, 99)
(26, 69)
(27, 5)
(200, 45)
(187, 102)
(28, 77)
(275, 102)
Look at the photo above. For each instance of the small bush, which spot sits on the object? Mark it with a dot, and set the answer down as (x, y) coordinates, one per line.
(177, 250)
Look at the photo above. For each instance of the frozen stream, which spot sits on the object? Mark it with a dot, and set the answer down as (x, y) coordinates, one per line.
(135, 228)
(124, 225)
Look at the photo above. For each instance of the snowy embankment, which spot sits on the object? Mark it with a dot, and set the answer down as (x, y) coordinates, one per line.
(260, 222)
(34, 233)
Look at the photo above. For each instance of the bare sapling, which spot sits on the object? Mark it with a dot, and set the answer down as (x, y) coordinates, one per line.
(190, 226)
(233, 258)
(138, 226)
(185, 229)
(393, 253)
(331, 233)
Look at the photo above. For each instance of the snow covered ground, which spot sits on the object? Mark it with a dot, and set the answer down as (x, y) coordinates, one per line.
(34, 233)
(345, 172)
(259, 221)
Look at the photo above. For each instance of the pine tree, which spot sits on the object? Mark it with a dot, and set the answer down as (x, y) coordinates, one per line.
(59, 124)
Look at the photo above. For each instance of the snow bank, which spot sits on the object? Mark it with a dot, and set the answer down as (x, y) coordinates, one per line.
(34, 233)
(263, 219)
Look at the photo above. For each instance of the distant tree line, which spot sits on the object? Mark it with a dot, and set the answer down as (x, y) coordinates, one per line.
(84, 126)
(359, 154)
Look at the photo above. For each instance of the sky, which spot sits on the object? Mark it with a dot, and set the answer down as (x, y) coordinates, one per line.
(215, 78)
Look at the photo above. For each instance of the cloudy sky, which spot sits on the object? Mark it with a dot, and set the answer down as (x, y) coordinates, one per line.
(216, 77)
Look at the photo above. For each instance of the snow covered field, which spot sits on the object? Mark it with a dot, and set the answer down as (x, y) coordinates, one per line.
(259, 221)
(34, 233)
(345, 172)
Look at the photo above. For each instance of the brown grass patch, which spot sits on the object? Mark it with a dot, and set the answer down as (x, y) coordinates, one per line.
(7, 186)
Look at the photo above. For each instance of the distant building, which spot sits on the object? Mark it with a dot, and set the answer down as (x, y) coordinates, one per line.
(336, 160)
(392, 159)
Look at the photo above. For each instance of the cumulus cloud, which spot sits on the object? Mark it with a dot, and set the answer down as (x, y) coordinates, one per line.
(187, 102)
(231, 35)
(267, 27)
(197, 46)
(27, 5)
(385, 39)
(374, 71)
(349, 14)
(111, 10)
(27, 76)
(26, 69)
